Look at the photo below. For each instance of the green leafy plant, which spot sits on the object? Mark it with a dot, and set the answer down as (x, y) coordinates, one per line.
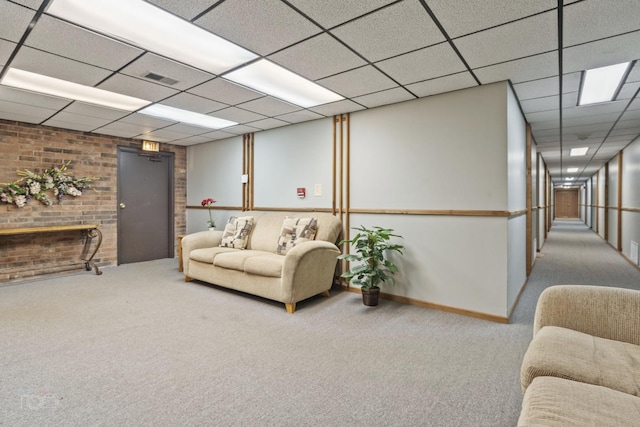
(371, 246)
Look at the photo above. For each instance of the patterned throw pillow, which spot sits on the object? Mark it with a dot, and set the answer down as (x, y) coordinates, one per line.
(295, 231)
(236, 232)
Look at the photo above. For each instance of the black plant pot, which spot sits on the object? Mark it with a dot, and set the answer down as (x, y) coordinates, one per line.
(370, 296)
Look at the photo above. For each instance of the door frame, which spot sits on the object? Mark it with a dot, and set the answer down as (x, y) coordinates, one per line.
(170, 156)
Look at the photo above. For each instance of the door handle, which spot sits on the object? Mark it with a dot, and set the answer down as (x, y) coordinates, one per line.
(122, 205)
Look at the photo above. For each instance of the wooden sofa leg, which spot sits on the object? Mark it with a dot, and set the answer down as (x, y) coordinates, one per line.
(187, 279)
(290, 307)
(326, 294)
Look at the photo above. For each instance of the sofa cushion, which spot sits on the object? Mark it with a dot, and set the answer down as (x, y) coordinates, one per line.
(234, 260)
(207, 255)
(551, 401)
(565, 353)
(265, 265)
(236, 232)
(295, 231)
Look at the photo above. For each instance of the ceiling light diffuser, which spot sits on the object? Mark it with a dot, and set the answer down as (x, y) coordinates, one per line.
(151, 28)
(601, 84)
(579, 151)
(572, 170)
(39, 83)
(272, 79)
(184, 116)
(569, 178)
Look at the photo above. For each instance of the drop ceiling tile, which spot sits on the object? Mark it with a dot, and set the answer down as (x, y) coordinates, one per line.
(214, 136)
(385, 97)
(358, 82)
(33, 4)
(24, 113)
(268, 123)
(138, 88)
(300, 116)
(148, 123)
(543, 116)
(531, 36)
(240, 129)
(615, 107)
(548, 124)
(186, 129)
(443, 84)
(165, 135)
(269, 106)
(87, 122)
(634, 75)
(420, 65)
(591, 20)
(273, 25)
(330, 13)
(318, 57)
(40, 62)
(391, 31)
(185, 9)
(222, 90)
(460, 18)
(547, 86)
(6, 48)
(194, 103)
(154, 137)
(628, 91)
(64, 39)
(539, 104)
(73, 125)
(340, 107)
(15, 20)
(238, 115)
(608, 119)
(88, 110)
(186, 76)
(30, 98)
(520, 70)
(609, 51)
(124, 130)
(192, 140)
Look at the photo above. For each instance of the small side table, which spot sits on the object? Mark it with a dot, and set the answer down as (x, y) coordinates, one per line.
(180, 236)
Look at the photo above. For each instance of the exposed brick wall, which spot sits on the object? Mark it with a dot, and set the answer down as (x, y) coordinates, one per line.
(34, 147)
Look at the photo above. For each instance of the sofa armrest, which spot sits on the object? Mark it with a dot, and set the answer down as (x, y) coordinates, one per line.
(605, 312)
(199, 240)
(308, 270)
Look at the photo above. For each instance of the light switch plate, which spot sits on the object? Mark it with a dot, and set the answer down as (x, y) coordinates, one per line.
(317, 190)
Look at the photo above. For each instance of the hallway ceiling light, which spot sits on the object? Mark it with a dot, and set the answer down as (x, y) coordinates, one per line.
(272, 79)
(153, 29)
(601, 84)
(39, 83)
(184, 116)
(579, 151)
(572, 170)
(569, 178)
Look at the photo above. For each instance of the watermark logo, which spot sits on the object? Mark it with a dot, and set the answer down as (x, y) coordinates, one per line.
(39, 400)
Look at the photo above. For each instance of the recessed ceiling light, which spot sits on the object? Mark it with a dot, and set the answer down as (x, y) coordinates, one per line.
(272, 79)
(184, 116)
(569, 178)
(579, 151)
(153, 29)
(601, 84)
(572, 170)
(39, 83)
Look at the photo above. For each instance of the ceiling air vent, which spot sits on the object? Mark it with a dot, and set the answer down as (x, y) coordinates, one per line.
(160, 78)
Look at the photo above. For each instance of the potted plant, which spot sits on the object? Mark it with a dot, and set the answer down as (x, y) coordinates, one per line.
(206, 203)
(371, 246)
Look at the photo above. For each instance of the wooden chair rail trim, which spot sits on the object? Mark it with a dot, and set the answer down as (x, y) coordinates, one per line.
(48, 229)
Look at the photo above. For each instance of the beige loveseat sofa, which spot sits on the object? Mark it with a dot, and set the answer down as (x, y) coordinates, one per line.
(279, 257)
(582, 367)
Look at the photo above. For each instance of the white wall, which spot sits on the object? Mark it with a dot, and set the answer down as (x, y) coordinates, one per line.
(613, 201)
(542, 200)
(630, 196)
(600, 190)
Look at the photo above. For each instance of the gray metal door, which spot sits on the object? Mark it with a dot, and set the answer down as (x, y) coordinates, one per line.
(145, 205)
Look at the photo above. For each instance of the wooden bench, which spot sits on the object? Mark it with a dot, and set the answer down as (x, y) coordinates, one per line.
(89, 232)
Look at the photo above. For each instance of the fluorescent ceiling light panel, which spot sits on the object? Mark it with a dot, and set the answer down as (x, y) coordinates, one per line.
(572, 170)
(272, 79)
(151, 28)
(569, 178)
(184, 116)
(33, 82)
(579, 151)
(601, 84)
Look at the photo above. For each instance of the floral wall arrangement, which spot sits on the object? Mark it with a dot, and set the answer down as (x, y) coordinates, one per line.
(54, 179)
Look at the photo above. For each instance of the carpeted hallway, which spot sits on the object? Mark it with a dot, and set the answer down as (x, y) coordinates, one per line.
(138, 346)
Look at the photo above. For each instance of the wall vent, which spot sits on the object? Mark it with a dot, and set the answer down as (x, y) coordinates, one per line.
(160, 78)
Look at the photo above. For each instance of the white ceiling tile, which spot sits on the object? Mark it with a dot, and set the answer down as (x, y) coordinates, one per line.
(628, 91)
(518, 39)
(165, 135)
(300, 116)
(33, 4)
(357, 82)
(64, 39)
(634, 75)
(391, 31)
(464, 17)
(138, 88)
(124, 130)
(195, 103)
(73, 125)
(390, 96)
(609, 51)
(6, 49)
(222, 90)
(240, 129)
(186, 76)
(192, 140)
(269, 106)
(30, 98)
(15, 20)
(40, 62)
(592, 20)
(318, 57)
(606, 108)
(24, 113)
(551, 123)
(420, 65)
(443, 84)
(186, 129)
(237, 115)
(539, 104)
(268, 123)
(185, 9)
(547, 86)
(340, 107)
(330, 13)
(148, 123)
(88, 110)
(273, 25)
(531, 68)
(87, 122)
(214, 136)
(543, 116)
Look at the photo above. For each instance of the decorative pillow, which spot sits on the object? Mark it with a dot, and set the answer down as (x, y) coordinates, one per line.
(295, 231)
(236, 232)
